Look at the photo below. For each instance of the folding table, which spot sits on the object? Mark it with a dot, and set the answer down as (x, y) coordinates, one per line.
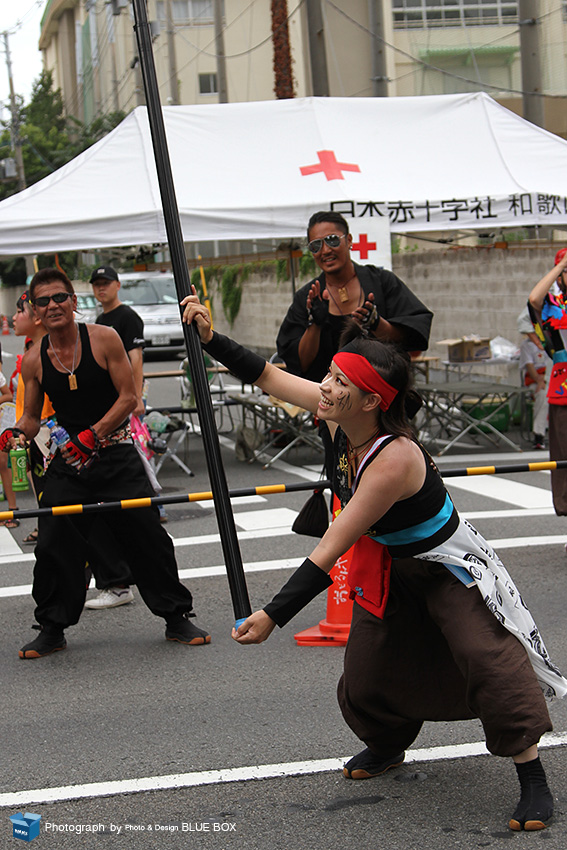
(454, 410)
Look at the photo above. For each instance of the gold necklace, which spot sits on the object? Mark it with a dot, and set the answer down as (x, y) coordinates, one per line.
(342, 290)
(71, 371)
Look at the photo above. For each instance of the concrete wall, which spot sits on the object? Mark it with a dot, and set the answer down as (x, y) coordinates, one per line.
(471, 291)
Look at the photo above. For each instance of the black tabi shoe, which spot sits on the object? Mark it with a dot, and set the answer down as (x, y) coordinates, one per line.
(535, 809)
(184, 631)
(46, 642)
(367, 764)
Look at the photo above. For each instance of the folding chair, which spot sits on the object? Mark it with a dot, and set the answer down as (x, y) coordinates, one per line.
(169, 434)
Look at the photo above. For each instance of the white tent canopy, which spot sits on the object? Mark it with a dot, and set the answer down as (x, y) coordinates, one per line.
(258, 170)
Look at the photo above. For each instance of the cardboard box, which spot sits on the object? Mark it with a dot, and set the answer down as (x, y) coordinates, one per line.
(465, 350)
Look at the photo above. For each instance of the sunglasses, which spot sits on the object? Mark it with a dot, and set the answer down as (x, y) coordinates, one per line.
(333, 240)
(58, 298)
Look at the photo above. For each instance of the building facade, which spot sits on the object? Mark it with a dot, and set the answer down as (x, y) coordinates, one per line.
(426, 47)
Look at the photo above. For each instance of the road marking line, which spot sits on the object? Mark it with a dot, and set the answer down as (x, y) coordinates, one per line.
(8, 545)
(190, 573)
(291, 563)
(503, 489)
(514, 513)
(268, 518)
(235, 501)
(237, 774)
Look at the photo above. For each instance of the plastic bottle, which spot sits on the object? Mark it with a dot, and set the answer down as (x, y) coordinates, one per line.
(59, 437)
(19, 464)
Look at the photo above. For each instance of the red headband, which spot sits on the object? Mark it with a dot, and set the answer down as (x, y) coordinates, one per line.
(364, 376)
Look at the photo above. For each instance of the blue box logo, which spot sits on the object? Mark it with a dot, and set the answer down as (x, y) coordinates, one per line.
(25, 826)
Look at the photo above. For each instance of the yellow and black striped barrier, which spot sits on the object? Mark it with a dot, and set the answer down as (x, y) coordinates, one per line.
(539, 466)
(174, 499)
(265, 490)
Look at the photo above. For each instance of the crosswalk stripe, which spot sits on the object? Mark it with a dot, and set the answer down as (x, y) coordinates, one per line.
(503, 490)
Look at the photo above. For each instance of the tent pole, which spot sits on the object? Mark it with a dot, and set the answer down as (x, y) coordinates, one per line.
(225, 518)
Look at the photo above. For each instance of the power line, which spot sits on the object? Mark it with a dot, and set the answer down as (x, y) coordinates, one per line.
(428, 65)
(21, 21)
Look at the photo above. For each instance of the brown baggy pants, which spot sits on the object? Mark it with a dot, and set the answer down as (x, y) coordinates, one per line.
(438, 654)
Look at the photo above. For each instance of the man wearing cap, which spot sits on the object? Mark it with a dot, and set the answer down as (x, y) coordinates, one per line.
(111, 573)
(124, 320)
(86, 373)
(548, 310)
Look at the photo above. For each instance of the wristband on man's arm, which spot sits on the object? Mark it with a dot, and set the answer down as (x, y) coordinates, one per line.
(242, 362)
(307, 582)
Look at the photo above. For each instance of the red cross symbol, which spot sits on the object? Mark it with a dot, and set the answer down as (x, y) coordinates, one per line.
(363, 246)
(329, 166)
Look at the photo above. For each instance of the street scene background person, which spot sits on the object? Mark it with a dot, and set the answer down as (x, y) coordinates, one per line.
(533, 368)
(86, 373)
(125, 321)
(28, 325)
(5, 472)
(112, 576)
(548, 308)
(376, 298)
(439, 630)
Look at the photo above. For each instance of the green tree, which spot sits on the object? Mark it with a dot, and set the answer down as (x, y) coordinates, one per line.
(49, 140)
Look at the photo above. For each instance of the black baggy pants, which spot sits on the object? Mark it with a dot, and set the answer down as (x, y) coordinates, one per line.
(62, 550)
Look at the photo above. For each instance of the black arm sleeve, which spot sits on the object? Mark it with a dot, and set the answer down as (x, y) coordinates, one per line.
(307, 582)
(242, 362)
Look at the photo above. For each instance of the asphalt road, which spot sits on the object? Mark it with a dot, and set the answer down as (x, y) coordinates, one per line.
(128, 741)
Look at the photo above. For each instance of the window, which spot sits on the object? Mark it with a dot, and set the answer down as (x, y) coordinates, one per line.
(208, 84)
(468, 69)
(425, 14)
(192, 12)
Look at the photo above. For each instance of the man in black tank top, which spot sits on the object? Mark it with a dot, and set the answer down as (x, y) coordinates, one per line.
(86, 373)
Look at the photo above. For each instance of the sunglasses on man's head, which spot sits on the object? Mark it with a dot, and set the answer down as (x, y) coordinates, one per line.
(333, 240)
(58, 297)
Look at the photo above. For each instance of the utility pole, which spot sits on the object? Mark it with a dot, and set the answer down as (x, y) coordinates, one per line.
(138, 83)
(172, 59)
(16, 140)
(112, 44)
(379, 71)
(317, 51)
(221, 57)
(530, 62)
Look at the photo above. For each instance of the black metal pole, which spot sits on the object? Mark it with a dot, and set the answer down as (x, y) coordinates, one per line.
(227, 529)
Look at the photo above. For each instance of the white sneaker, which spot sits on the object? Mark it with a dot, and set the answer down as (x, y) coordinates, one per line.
(111, 597)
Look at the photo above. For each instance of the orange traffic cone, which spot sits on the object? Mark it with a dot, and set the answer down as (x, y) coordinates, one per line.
(5, 328)
(334, 629)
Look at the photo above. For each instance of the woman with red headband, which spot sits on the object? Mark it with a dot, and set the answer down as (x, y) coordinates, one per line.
(424, 643)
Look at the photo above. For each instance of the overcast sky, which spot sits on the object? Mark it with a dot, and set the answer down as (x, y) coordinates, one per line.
(20, 19)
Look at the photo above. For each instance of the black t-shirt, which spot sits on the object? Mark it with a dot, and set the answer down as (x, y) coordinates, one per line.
(126, 323)
(394, 301)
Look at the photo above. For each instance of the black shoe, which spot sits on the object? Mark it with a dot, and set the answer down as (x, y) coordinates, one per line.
(535, 809)
(45, 643)
(184, 631)
(367, 764)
